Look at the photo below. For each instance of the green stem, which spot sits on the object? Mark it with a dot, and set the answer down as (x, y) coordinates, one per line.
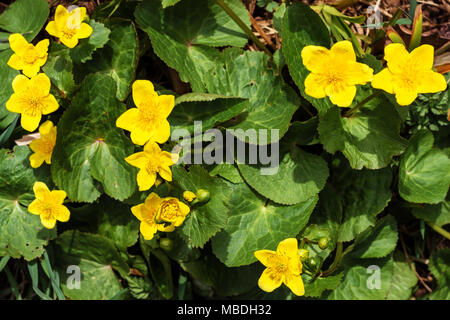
(350, 113)
(337, 260)
(439, 230)
(242, 25)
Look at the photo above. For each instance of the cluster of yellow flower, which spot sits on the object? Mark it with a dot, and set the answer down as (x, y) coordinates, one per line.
(335, 73)
(148, 126)
(32, 99)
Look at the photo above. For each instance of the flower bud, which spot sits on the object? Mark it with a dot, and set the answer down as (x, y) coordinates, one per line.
(203, 195)
(323, 243)
(189, 196)
(304, 254)
(166, 244)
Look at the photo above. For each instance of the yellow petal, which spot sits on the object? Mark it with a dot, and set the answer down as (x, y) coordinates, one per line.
(128, 119)
(269, 280)
(145, 180)
(85, 31)
(431, 82)
(50, 104)
(169, 228)
(147, 230)
(42, 83)
(48, 222)
(343, 51)
(20, 83)
(42, 47)
(315, 86)
(69, 42)
(358, 73)
(31, 70)
(288, 248)
(166, 104)
(165, 173)
(15, 62)
(341, 95)
(30, 123)
(143, 90)
(18, 43)
(15, 104)
(405, 97)
(41, 190)
(153, 201)
(162, 133)
(315, 58)
(295, 265)
(52, 29)
(140, 137)
(137, 211)
(62, 214)
(137, 160)
(295, 283)
(46, 128)
(423, 57)
(61, 16)
(396, 56)
(35, 207)
(184, 209)
(36, 160)
(265, 257)
(152, 148)
(58, 196)
(383, 80)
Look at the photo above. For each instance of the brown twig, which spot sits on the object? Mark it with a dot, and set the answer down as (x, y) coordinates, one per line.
(261, 32)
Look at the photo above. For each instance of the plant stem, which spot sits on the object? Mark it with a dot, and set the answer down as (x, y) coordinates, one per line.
(350, 113)
(439, 230)
(337, 260)
(242, 25)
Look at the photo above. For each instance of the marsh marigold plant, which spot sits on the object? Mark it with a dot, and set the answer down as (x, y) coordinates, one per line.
(32, 99)
(282, 266)
(147, 122)
(43, 147)
(334, 72)
(27, 57)
(69, 26)
(49, 205)
(408, 74)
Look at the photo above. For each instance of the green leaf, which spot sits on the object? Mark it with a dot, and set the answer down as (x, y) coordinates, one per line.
(256, 224)
(97, 259)
(26, 17)
(377, 242)
(210, 109)
(84, 50)
(440, 267)
(424, 175)
(168, 3)
(438, 214)
(7, 74)
(183, 35)
(22, 234)
(250, 75)
(360, 279)
(365, 193)
(228, 171)
(224, 281)
(205, 219)
(59, 69)
(303, 133)
(316, 287)
(117, 59)
(94, 153)
(368, 139)
(300, 176)
(403, 279)
(303, 27)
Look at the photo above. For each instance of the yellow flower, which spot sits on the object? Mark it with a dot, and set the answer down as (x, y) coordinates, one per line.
(283, 266)
(408, 74)
(334, 73)
(27, 57)
(49, 205)
(189, 196)
(32, 99)
(172, 211)
(43, 147)
(69, 26)
(146, 213)
(149, 120)
(150, 162)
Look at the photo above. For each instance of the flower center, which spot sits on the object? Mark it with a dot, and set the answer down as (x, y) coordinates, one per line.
(169, 211)
(34, 106)
(69, 33)
(152, 166)
(279, 264)
(30, 56)
(149, 115)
